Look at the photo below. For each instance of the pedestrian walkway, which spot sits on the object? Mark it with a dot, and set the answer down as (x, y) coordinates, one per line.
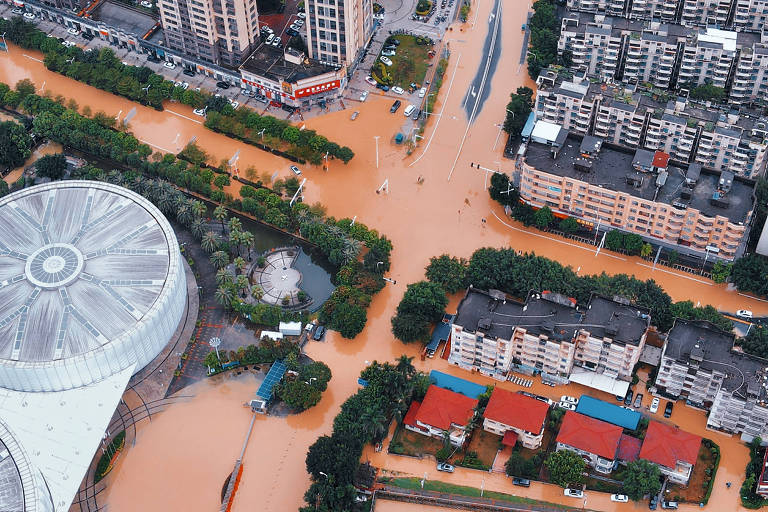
(500, 461)
(526, 383)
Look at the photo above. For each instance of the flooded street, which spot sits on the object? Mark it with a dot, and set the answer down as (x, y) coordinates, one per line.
(181, 459)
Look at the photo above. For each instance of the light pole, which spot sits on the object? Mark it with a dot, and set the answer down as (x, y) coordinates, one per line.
(215, 342)
(309, 382)
(326, 161)
(377, 150)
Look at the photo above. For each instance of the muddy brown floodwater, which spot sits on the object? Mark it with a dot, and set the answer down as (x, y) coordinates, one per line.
(182, 457)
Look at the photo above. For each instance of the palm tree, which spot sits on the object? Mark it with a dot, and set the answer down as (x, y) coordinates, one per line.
(373, 423)
(224, 296)
(256, 292)
(351, 249)
(242, 284)
(234, 224)
(198, 208)
(239, 264)
(248, 240)
(235, 236)
(404, 365)
(223, 277)
(220, 213)
(198, 227)
(210, 242)
(184, 213)
(220, 259)
(165, 201)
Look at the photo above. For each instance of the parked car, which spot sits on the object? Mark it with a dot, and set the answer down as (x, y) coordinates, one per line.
(668, 410)
(522, 482)
(620, 498)
(319, 332)
(29, 15)
(354, 115)
(146, 4)
(397, 90)
(653, 502)
(68, 44)
(200, 111)
(169, 65)
(383, 59)
(270, 38)
(744, 313)
(409, 110)
(73, 31)
(654, 405)
(299, 22)
(569, 399)
(395, 106)
(267, 29)
(669, 505)
(638, 400)
(276, 42)
(301, 15)
(222, 85)
(422, 92)
(185, 85)
(177, 84)
(619, 398)
(361, 498)
(388, 53)
(395, 42)
(370, 80)
(292, 31)
(188, 72)
(568, 406)
(17, 11)
(364, 96)
(416, 114)
(574, 493)
(444, 466)
(628, 397)
(523, 27)
(234, 104)
(383, 87)
(296, 170)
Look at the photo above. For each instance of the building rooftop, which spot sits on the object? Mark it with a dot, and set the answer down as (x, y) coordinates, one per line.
(612, 169)
(629, 448)
(516, 410)
(457, 384)
(744, 374)
(441, 408)
(667, 444)
(606, 318)
(129, 20)
(609, 412)
(590, 435)
(270, 62)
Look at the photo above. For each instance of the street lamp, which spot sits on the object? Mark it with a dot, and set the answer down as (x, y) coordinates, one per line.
(309, 383)
(215, 342)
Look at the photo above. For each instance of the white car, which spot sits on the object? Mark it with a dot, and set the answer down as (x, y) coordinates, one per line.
(276, 41)
(299, 22)
(744, 313)
(146, 4)
(574, 493)
(177, 84)
(200, 111)
(568, 406)
(301, 15)
(295, 170)
(569, 399)
(620, 498)
(169, 65)
(73, 31)
(29, 15)
(17, 11)
(270, 38)
(389, 53)
(370, 80)
(184, 85)
(422, 92)
(364, 96)
(68, 44)
(385, 60)
(235, 104)
(654, 405)
(398, 90)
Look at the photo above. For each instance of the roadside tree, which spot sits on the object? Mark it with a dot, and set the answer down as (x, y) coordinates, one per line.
(641, 478)
(565, 467)
(448, 271)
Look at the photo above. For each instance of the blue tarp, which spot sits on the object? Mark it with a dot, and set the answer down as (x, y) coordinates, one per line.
(465, 387)
(528, 128)
(276, 372)
(609, 412)
(441, 332)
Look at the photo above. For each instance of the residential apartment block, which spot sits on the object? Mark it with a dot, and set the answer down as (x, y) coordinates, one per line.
(217, 31)
(687, 209)
(513, 414)
(337, 30)
(549, 335)
(750, 79)
(700, 366)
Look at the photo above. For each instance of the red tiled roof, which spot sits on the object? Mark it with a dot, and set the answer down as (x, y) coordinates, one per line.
(441, 407)
(629, 448)
(660, 159)
(590, 435)
(510, 438)
(516, 410)
(667, 444)
(410, 416)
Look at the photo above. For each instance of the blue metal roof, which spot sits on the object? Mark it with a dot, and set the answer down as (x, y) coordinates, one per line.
(276, 372)
(528, 128)
(465, 387)
(441, 332)
(609, 412)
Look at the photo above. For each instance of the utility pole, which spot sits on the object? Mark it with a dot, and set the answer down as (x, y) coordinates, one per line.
(377, 150)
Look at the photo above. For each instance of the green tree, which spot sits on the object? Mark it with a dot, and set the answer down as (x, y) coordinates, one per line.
(449, 272)
(721, 271)
(299, 395)
(565, 467)
(569, 225)
(501, 190)
(614, 240)
(25, 87)
(348, 319)
(543, 217)
(633, 243)
(410, 327)
(15, 144)
(51, 166)
(756, 342)
(640, 478)
(518, 108)
(646, 250)
(317, 373)
(687, 311)
(221, 181)
(210, 242)
(708, 92)
(425, 299)
(220, 259)
(4, 189)
(750, 274)
(224, 296)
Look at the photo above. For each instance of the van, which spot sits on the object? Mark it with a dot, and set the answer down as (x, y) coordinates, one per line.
(409, 110)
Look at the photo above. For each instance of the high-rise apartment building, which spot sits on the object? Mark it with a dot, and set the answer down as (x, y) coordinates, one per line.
(216, 31)
(337, 30)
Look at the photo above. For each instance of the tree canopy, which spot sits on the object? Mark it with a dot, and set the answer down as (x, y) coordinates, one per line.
(449, 272)
(424, 302)
(15, 144)
(51, 166)
(565, 467)
(641, 478)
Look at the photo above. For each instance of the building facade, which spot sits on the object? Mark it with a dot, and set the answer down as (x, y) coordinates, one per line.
(337, 30)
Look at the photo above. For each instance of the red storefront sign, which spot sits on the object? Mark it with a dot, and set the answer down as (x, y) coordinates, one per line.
(317, 89)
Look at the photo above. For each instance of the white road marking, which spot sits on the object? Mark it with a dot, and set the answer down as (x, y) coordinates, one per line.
(674, 273)
(752, 297)
(183, 116)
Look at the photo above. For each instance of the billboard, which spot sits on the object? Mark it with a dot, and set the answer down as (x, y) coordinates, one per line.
(317, 89)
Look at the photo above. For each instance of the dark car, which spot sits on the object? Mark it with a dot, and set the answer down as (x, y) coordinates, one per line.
(395, 106)
(318, 333)
(222, 85)
(654, 502)
(668, 410)
(383, 87)
(291, 32)
(638, 400)
(619, 398)
(522, 482)
(188, 72)
(628, 398)
(395, 42)
(153, 58)
(87, 36)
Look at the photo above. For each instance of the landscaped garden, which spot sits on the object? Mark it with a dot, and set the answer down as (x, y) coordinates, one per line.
(409, 64)
(703, 477)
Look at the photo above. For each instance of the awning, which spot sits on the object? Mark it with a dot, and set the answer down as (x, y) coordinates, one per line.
(509, 439)
(599, 381)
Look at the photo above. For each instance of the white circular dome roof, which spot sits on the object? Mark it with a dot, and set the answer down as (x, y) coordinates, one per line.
(91, 281)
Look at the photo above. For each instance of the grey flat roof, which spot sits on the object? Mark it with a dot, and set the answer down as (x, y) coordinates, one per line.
(606, 318)
(612, 166)
(740, 369)
(478, 304)
(269, 62)
(131, 21)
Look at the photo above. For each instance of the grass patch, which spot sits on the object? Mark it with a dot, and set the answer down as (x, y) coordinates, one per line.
(411, 62)
(104, 465)
(484, 445)
(462, 490)
(699, 486)
(405, 442)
